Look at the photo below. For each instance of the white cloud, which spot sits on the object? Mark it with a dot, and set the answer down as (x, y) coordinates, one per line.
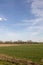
(34, 29)
(5, 19)
(36, 26)
(2, 19)
(37, 10)
(37, 7)
(28, 22)
(33, 21)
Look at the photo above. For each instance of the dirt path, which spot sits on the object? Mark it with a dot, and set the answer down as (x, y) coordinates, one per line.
(2, 45)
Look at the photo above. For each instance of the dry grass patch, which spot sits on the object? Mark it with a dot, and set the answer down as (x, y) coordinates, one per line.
(3, 45)
(15, 60)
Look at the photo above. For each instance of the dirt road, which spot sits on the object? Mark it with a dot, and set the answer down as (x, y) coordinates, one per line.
(2, 45)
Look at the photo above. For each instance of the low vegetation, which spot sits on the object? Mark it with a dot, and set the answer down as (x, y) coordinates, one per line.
(22, 51)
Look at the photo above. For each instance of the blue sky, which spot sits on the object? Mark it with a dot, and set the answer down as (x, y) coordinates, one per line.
(21, 20)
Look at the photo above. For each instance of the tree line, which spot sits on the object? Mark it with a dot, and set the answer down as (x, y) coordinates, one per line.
(20, 42)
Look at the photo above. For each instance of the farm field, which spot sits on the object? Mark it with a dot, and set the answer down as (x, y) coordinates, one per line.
(33, 52)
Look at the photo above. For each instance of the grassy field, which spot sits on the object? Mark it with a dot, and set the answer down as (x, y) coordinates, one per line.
(29, 51)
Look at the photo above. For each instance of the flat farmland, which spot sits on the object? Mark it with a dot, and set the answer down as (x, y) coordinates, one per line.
(33, 52)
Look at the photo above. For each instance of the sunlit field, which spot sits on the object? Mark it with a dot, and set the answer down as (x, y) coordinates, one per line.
(27, 51)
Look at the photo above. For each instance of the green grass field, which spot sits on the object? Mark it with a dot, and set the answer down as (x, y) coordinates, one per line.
(29, 51)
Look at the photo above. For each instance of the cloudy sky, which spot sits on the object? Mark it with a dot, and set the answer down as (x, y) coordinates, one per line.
(21, 20)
